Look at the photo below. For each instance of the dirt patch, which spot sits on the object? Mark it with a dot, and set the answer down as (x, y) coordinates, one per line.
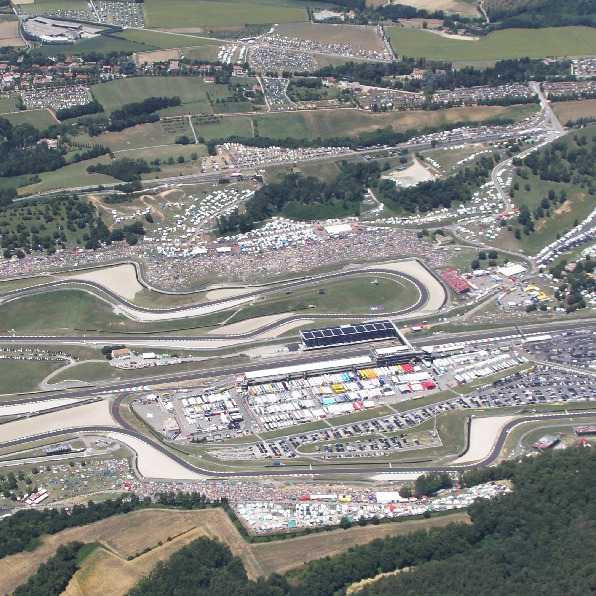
(412, 175)
(120, 279)
(97, 413)
(483, 435)
(156, 56)
(249, 325)
(355, 588)
(282, 556)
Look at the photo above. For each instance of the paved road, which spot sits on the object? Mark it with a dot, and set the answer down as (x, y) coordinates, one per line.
(299, 470)
(223, 304)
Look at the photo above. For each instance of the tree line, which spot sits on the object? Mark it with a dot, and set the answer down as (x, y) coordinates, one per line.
(503, 72)
(125, 169)
(542, 13)
(128, 115)
(53, 576)
(92, 107)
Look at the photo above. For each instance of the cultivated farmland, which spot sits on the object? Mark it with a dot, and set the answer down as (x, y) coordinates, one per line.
(179, 13)
(499, 45)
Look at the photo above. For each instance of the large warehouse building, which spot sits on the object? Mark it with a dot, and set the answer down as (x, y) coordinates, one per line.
(342, 335)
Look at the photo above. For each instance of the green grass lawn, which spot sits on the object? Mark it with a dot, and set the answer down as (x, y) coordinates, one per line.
(99, 371)
(499, 45)
(184, 13)
(68, 310)
(222, 127)
(8, 104)
(352, 296)
(38, 118)
(19, 376)
(191, 90)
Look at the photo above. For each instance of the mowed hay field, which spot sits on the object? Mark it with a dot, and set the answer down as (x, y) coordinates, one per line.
(499, 45)
(181, 13)
(191, 90)
(333, 123)
(108, 572)
(573, 110)
(9, 34)
(464, 8)
(356, 35)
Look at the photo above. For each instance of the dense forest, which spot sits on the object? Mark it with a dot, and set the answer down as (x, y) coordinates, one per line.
(205, 568)
(304, 198)
(307, 198)
(22, 153)
(128, 115)
(125, 169)
(91, 107)
(534, 14)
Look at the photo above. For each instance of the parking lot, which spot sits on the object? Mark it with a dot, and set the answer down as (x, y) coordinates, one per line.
(56, 97)
(125, 14)
(576, 348)
(396, 433)
(267, 59)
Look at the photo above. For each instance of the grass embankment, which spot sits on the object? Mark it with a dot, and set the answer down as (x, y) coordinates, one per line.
(20, 376)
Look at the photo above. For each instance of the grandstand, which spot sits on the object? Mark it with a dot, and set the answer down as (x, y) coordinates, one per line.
(342, 335)
(584, 430)
(456, 282)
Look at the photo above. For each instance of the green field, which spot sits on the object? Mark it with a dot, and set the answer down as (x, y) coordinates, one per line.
(331, 123)
(42, 7)
(38, 118)
(499, 45)
(153, 134)
(222, 127)
(8, 104)
(191, 90)
(73, 310)
(73, 175)
(351, 296)
(185, 13)
(22, 375)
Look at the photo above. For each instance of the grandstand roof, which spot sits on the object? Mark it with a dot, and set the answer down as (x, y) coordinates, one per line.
(348, 334)
(455, 280)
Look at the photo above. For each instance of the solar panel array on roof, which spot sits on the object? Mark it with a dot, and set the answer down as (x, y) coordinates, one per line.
(348, 334)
